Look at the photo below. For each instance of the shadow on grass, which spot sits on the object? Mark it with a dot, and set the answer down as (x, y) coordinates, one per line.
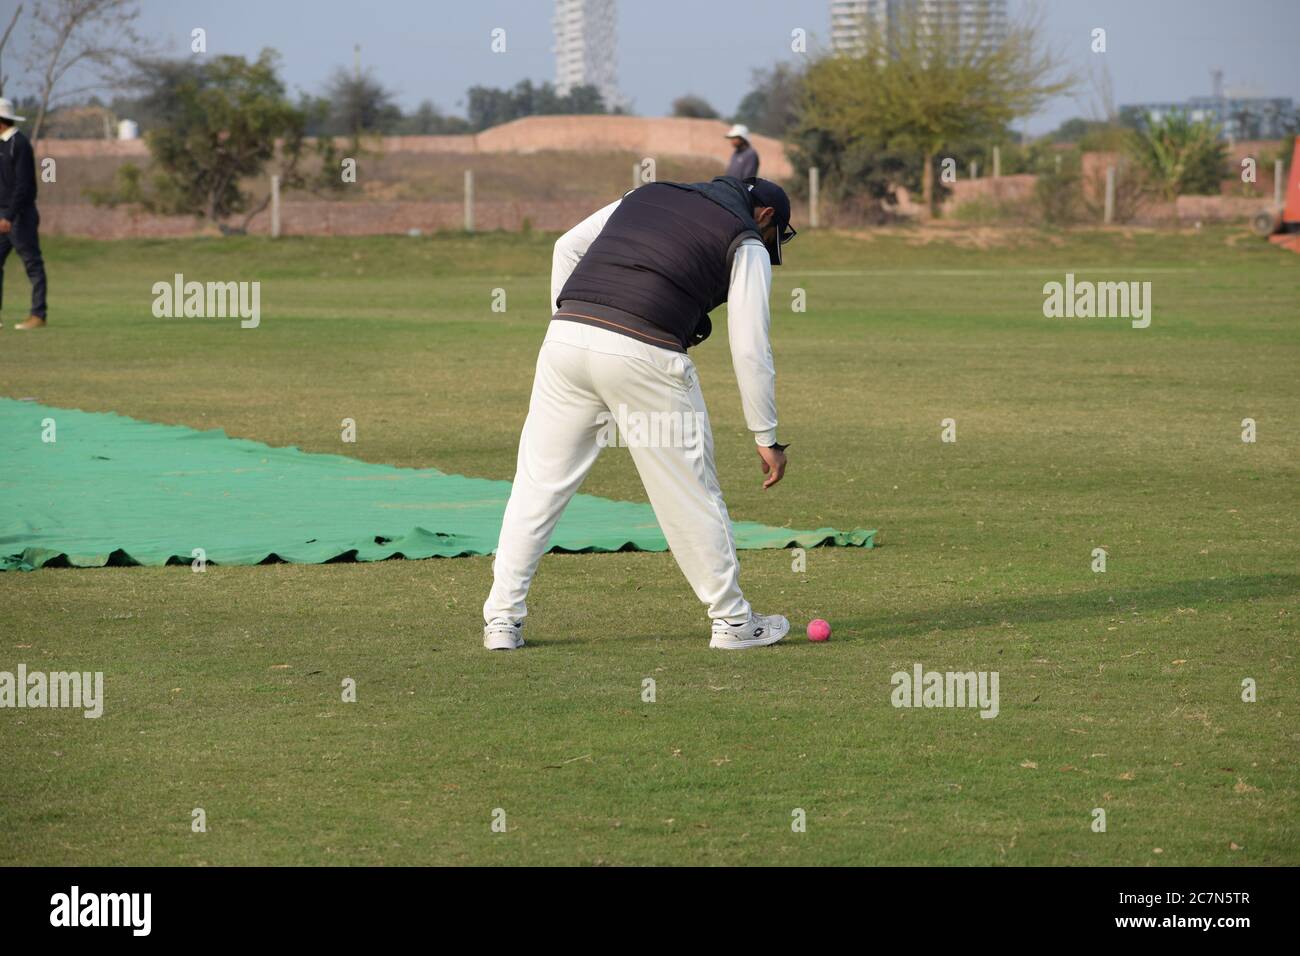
(1078, 605)
(962, 617)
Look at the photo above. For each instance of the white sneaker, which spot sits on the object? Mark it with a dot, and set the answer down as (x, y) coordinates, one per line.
(503, 635)
(759, 631)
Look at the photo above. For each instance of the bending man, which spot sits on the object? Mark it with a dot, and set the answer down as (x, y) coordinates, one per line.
(632, 287)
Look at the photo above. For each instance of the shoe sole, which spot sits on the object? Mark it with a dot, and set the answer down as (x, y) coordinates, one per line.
(734, 644)
(502, 642)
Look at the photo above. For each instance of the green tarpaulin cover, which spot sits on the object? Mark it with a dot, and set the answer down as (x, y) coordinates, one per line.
(114, 490)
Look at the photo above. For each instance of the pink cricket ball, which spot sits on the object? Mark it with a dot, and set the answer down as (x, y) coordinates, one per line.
(819, 630)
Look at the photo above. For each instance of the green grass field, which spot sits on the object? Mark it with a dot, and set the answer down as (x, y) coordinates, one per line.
(1119, 690)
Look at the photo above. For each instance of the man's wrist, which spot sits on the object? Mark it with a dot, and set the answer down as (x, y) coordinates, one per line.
(767, 439)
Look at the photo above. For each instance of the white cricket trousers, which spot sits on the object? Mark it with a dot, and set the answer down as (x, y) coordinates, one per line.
(584, 374)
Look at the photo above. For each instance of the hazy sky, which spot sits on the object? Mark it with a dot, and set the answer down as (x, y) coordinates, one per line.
(1157, 49)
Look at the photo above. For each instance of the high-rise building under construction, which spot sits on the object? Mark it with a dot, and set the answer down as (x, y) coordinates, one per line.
(586, 33)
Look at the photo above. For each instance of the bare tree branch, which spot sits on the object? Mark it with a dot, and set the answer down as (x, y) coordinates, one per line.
(8, 30)
(79, 34)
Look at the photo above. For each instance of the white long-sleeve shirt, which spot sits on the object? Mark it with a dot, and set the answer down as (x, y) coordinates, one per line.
(748, 316)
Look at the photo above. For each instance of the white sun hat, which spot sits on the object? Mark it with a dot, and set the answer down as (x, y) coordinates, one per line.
(7, 111)
(740, 129)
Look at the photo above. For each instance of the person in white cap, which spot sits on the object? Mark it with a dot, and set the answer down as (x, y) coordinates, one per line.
(744, 161)
(19, 220)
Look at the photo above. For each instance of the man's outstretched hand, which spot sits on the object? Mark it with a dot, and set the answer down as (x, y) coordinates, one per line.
(773, 460)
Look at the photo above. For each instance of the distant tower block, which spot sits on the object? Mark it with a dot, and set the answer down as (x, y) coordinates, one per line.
(983, 22)
(586, 34)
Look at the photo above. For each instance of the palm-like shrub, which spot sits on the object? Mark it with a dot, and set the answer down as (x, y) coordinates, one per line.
(1179, 156)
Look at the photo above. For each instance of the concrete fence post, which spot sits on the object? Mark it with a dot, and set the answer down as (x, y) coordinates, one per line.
(469, 200)
(997, 162)
(1109, 216)
(974, 170)
(275, 206)
(814, 196)
(1279, 168)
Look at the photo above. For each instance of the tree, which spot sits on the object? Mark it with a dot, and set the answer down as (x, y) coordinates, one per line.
(156, 84)
(427, 120)
(94, 35)
(1179, 156)
(1078, 130)
(1058, 191)
(358, 103)
(221, 121)
(489, 106)
(920, 83)
(772, 106)
(859, 174)
(1248, 122)
(583, 100)
(693, 106)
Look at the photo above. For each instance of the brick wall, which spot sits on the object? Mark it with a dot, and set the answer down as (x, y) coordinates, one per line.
(90, 148)
(1188, 209)
(378, 218)
(1231, 187)
(322, 218)
(1008, 189)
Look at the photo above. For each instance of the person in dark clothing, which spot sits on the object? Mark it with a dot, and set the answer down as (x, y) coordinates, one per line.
(19, 220)
(744, 161)
(632, 286)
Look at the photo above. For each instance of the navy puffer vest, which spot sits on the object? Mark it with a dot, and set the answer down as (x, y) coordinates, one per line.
(665, 255)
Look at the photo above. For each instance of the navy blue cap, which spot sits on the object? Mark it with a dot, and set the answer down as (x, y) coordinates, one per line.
(767, 193)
